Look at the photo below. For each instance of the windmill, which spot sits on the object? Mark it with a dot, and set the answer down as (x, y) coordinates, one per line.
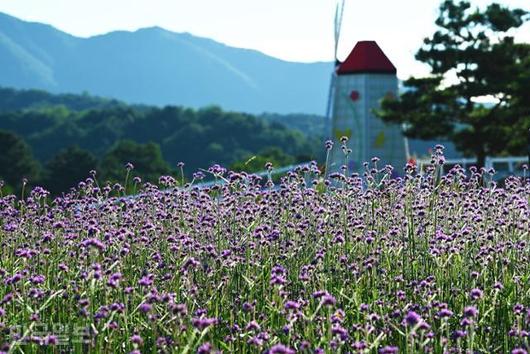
(357, 86)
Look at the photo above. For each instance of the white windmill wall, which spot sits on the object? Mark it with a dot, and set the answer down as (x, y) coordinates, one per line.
(369, 136)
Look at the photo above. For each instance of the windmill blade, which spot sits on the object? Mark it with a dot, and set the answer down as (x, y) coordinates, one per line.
(336, 30)
(339, 12)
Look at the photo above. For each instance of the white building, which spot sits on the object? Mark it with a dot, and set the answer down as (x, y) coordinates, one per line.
(362, 80)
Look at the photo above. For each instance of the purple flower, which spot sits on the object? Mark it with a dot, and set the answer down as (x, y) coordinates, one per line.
(114, 280)
(319, 294)
(277, 280)
(253, 326)
(190, 263)
(364, 307)
(328, 300)
(14, 279)
(37, 279)
(389, 350)
(51, 340)
(117, 306)
(458, 334)
(205, 348)
(292, 305)
(145, 307)
(518, 309)
(466, 322)
(247, 307)
(519, 351)
(256, 341)
(180, 309)
(281, 349)
(93, 242)
(338, 316)
(445, 313)
(340, 331)
(412, 318)
(136, 339)
(146, 280)
(359, 345)
(202, 323)
(470, 311)
(476, 294)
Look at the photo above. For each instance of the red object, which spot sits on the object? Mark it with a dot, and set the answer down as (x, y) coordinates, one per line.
(366, 58)
(354, 95)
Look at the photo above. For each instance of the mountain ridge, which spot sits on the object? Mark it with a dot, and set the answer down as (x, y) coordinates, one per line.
(156, 66)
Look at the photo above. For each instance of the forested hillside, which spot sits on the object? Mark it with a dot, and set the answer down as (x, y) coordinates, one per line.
(51, 125)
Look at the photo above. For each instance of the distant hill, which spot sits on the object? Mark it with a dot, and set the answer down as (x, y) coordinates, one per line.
(33, 99)
(159, 67)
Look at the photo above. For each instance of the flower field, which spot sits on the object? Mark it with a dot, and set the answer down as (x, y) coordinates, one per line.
(343, 264)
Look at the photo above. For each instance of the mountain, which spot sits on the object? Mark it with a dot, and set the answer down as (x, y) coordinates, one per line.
(159, 67)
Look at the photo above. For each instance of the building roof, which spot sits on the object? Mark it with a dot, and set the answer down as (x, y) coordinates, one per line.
(366, 58)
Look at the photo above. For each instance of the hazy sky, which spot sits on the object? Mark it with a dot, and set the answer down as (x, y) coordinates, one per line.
(297, 30)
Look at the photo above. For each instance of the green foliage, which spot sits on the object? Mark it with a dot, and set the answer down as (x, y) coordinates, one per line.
(16, 161)
(256, 163)
(66, 169)
(146, 159)
(471, 56)
(309, 124)
(53, 124)
(12, 100)
(199, 138)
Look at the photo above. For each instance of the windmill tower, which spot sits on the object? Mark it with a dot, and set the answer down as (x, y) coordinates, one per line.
(358, 85)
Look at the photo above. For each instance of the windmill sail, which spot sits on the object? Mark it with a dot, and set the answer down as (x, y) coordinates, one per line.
(339, 11)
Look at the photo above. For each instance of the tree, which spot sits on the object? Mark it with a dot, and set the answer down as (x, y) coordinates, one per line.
(471, 57)
(68, 168)
(16, 160)
(146, 159)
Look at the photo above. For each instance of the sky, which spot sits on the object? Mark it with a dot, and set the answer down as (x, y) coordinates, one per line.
(294, 30)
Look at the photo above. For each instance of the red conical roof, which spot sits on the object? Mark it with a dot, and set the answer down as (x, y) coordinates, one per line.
(366, 57)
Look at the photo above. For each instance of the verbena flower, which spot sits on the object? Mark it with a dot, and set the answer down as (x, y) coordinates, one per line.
(412, 318)
(470, 311)
(280, 349)
(202, 323)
